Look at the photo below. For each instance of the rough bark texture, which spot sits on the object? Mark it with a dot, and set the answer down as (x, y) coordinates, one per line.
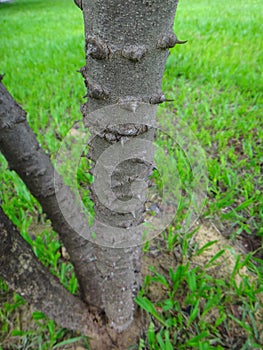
(27, 276)
(24, 155)
(126, 46)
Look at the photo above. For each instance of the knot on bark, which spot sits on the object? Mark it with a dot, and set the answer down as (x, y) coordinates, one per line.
(122, 132)
(134, 53)
(95, 90)
(97, 48)
(168, 40)
(10, 123)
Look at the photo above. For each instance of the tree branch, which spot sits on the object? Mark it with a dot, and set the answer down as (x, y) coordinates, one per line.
(27, 276)
(25, 156)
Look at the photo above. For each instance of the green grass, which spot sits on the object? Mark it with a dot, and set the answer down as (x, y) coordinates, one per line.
(216, 82)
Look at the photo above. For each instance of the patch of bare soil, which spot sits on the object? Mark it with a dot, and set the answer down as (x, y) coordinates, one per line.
(223, 270)
(226, 262)
(223, 267)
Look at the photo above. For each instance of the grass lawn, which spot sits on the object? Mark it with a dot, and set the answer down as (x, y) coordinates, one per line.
(216, 83)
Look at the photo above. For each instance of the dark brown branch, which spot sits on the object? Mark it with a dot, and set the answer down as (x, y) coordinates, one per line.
(25, 156)
(23, 273)
(28, 277)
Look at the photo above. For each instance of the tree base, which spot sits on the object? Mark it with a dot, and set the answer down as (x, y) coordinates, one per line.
(128, 339)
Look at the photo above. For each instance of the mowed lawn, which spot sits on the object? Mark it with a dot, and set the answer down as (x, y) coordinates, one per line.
(216, 82)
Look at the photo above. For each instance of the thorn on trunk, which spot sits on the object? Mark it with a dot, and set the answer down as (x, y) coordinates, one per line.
(159, 98)
(168, 40)
(79, 4)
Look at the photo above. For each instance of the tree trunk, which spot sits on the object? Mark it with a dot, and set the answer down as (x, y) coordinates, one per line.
(126, 46)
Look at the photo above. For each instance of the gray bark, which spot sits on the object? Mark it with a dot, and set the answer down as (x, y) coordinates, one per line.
(126, 46)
